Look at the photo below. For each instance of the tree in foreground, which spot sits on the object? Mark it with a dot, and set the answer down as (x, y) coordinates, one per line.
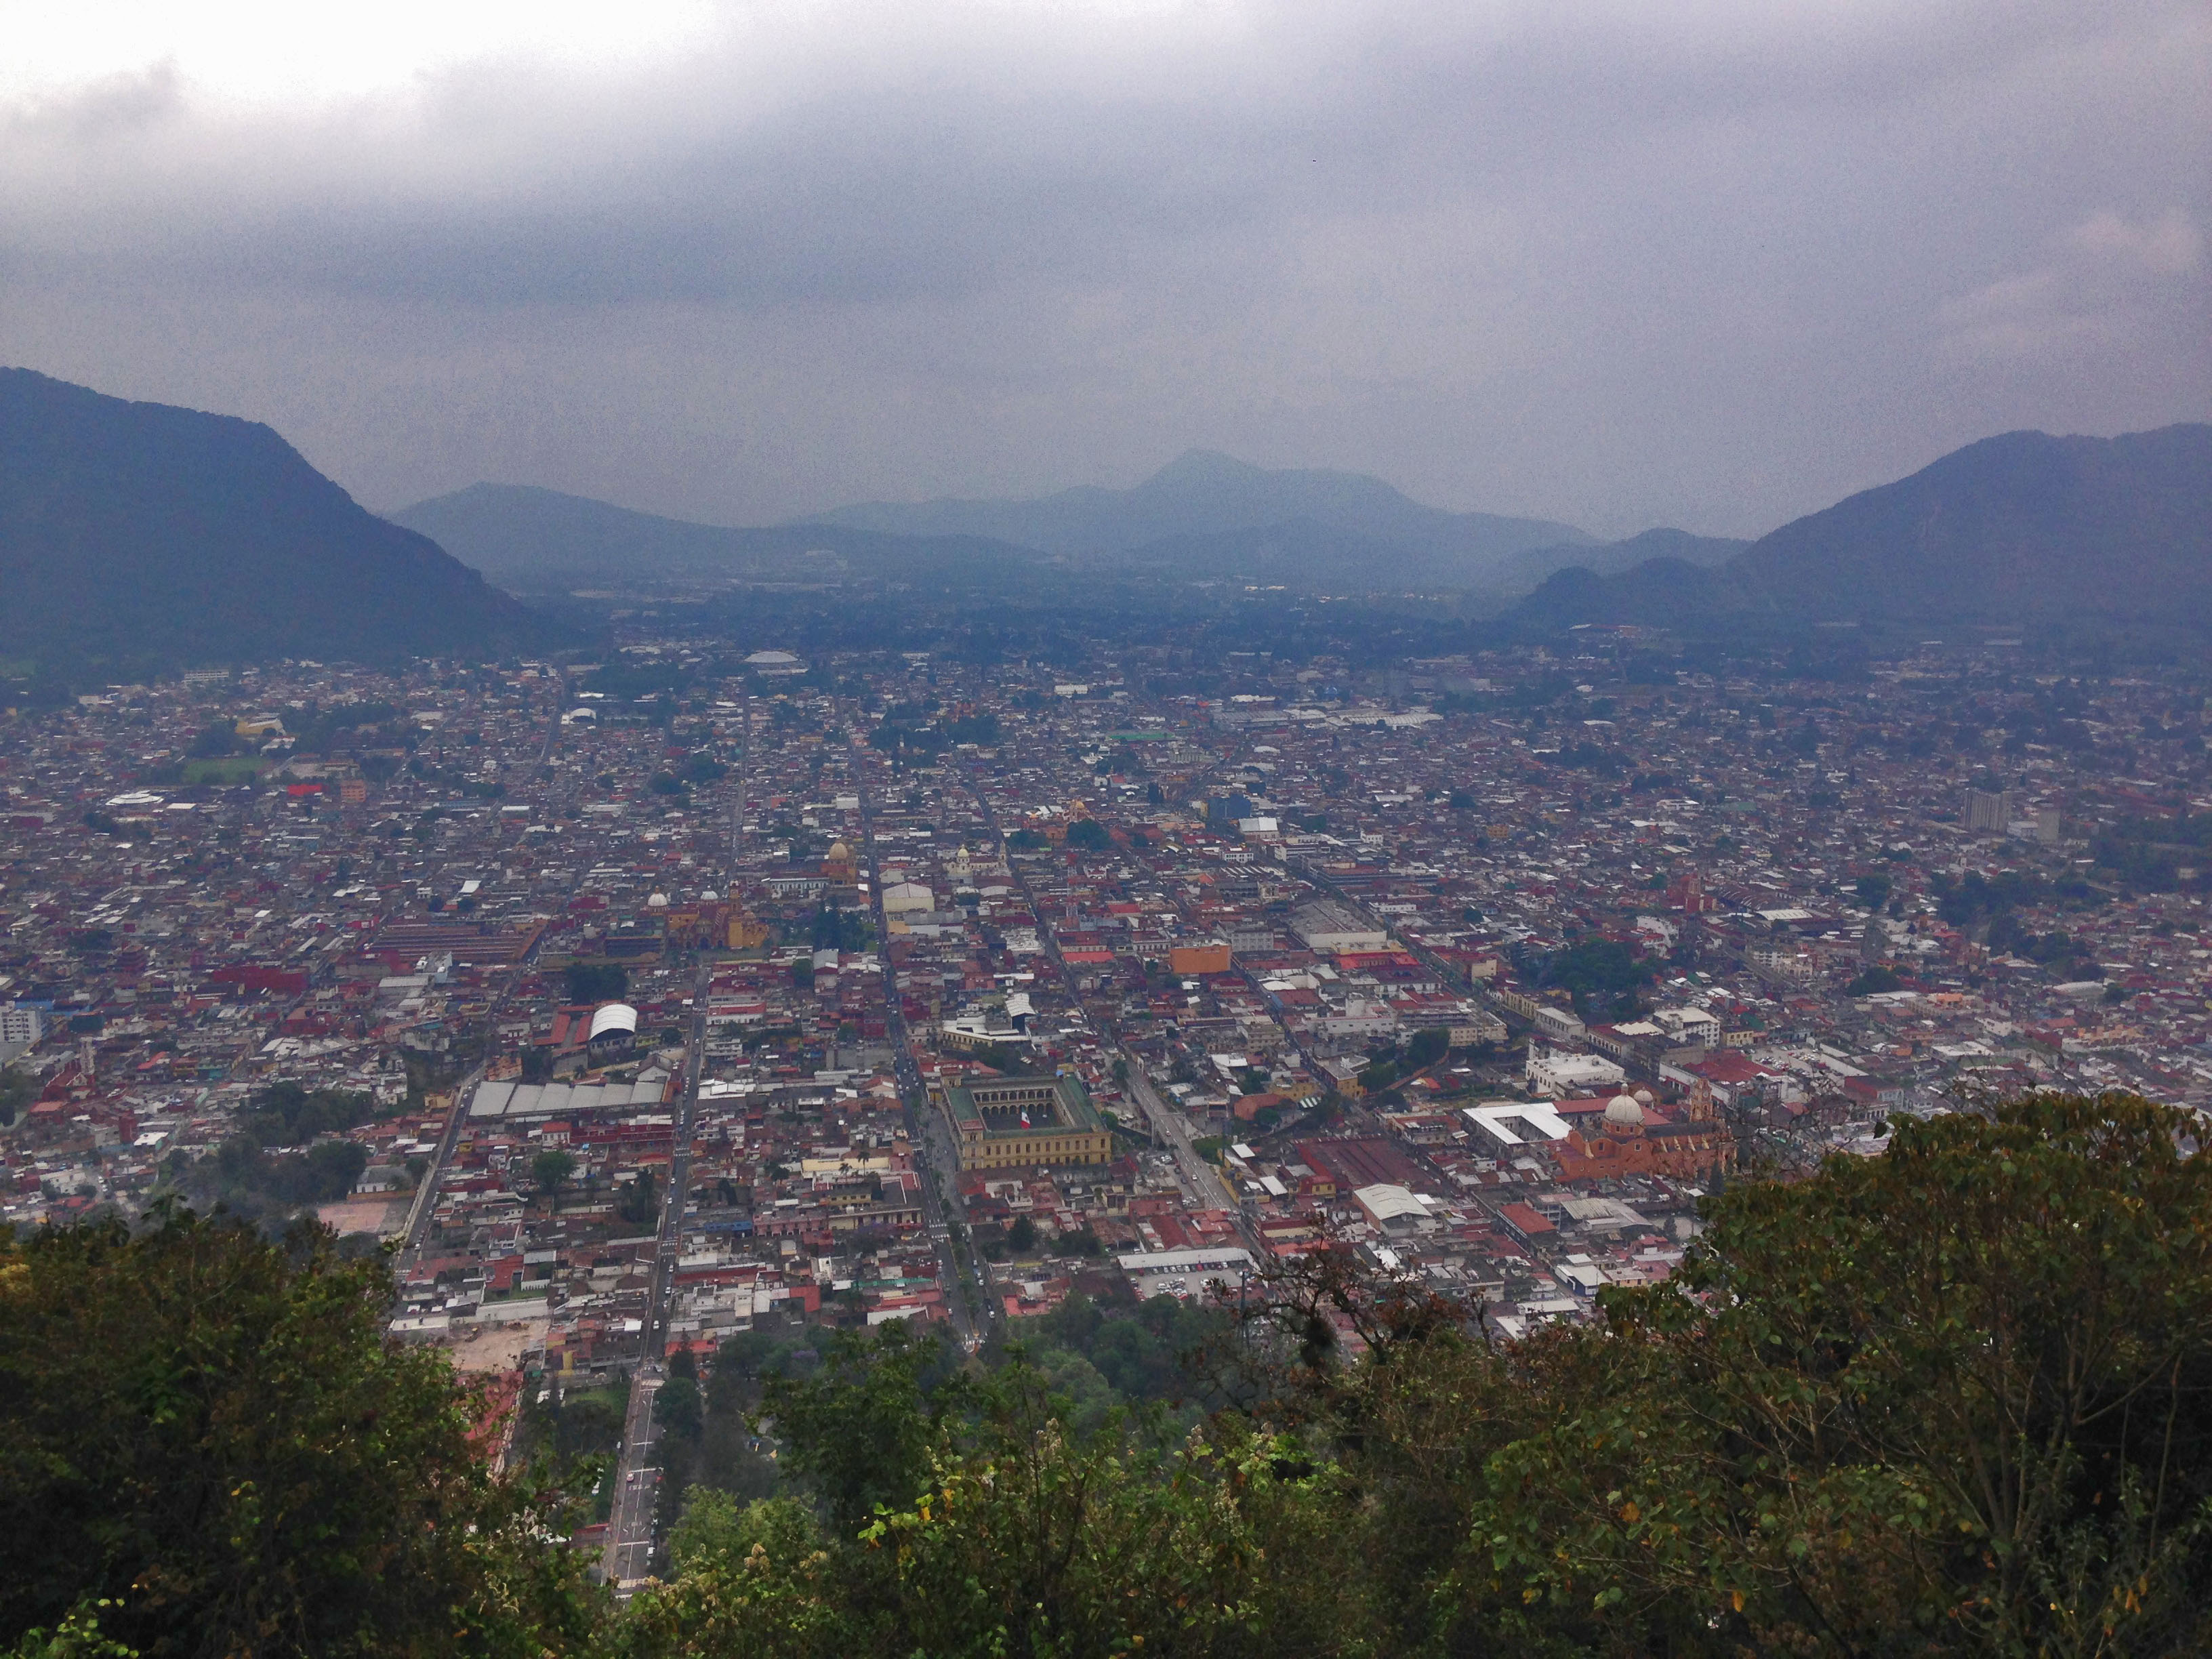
(209, 1429)
(1955, 1400)
(1015, 1534)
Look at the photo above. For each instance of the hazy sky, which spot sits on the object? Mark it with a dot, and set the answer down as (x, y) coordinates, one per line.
(1705, 264)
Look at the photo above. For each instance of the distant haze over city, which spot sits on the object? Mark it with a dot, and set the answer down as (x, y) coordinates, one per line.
(1713, 268)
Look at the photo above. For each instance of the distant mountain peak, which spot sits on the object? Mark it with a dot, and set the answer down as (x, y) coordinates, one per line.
(1206, 467)
(1204, 493)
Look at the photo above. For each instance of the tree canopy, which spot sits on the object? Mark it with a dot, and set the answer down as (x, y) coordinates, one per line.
(1955, 1399)
(206, 1428)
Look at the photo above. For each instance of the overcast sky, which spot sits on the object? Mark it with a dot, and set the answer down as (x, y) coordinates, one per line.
(1712, 264)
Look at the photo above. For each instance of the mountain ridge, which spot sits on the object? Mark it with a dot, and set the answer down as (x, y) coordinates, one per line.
(1204, 492)
(538, 539)
(1204, 514)
(131, 530)
(2020, 527)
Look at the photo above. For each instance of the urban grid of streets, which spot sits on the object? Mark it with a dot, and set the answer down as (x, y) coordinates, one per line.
(628, 1552)
(1764, 912)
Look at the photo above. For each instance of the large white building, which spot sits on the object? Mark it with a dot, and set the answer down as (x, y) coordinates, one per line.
(1568, 1077)
(1326, 926)
(20, 1030)
(907, 898)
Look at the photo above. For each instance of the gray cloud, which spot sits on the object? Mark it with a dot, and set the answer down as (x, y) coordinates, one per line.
(1715, 263)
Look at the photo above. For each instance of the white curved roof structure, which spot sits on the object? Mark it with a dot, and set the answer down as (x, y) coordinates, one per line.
(615, 1017)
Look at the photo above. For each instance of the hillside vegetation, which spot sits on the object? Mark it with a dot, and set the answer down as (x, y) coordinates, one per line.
(1954, 1399)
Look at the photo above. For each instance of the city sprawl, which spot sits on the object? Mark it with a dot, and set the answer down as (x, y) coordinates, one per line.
(646, 1002)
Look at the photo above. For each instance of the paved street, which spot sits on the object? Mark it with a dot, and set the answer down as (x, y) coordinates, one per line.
(1201, 1183)
(629, 1538)
(934, 1153)
(629, 1555)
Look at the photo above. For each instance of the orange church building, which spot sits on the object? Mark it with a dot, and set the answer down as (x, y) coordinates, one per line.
(1634, 1137)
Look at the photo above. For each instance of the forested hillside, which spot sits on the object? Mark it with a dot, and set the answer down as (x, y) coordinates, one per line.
(1954, 1399)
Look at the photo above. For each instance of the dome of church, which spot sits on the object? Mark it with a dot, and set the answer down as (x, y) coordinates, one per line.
(1624, 1109)
(839, 851)
(658, 902)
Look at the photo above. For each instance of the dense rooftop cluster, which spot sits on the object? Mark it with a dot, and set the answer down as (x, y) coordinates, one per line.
(691, 995)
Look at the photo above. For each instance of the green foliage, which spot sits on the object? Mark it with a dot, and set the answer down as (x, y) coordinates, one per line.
(18, 1089)
(745, 1360)
(728, 1457)
(911, 733)
(77, 1637)
(677, 1409)
(1146, 1354)
(1954, 1399)
(2146, 855)
(1872, 892)
(219, 739)
(208, 1429)
(2058, 951)
(980, 729)
(241, 1177)
(1950, 1399)
(550, 1169)
(701, 768)
(1016, 1535)
(716, 1530)
(1963, 901)
(834, 929)
(637, 1201)
(347, 727)
(1427, 1047)
(596, 981)
(1089, 835)
(287, 1114)
(1872, 982)
(571, 1436)
(1602, 975)
(858, 1431)
(1032, 1540)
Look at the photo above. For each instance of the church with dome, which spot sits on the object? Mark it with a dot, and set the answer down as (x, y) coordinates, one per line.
(1634, 1135)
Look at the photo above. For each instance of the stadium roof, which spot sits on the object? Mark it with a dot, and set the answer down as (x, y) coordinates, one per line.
(615, 1017)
